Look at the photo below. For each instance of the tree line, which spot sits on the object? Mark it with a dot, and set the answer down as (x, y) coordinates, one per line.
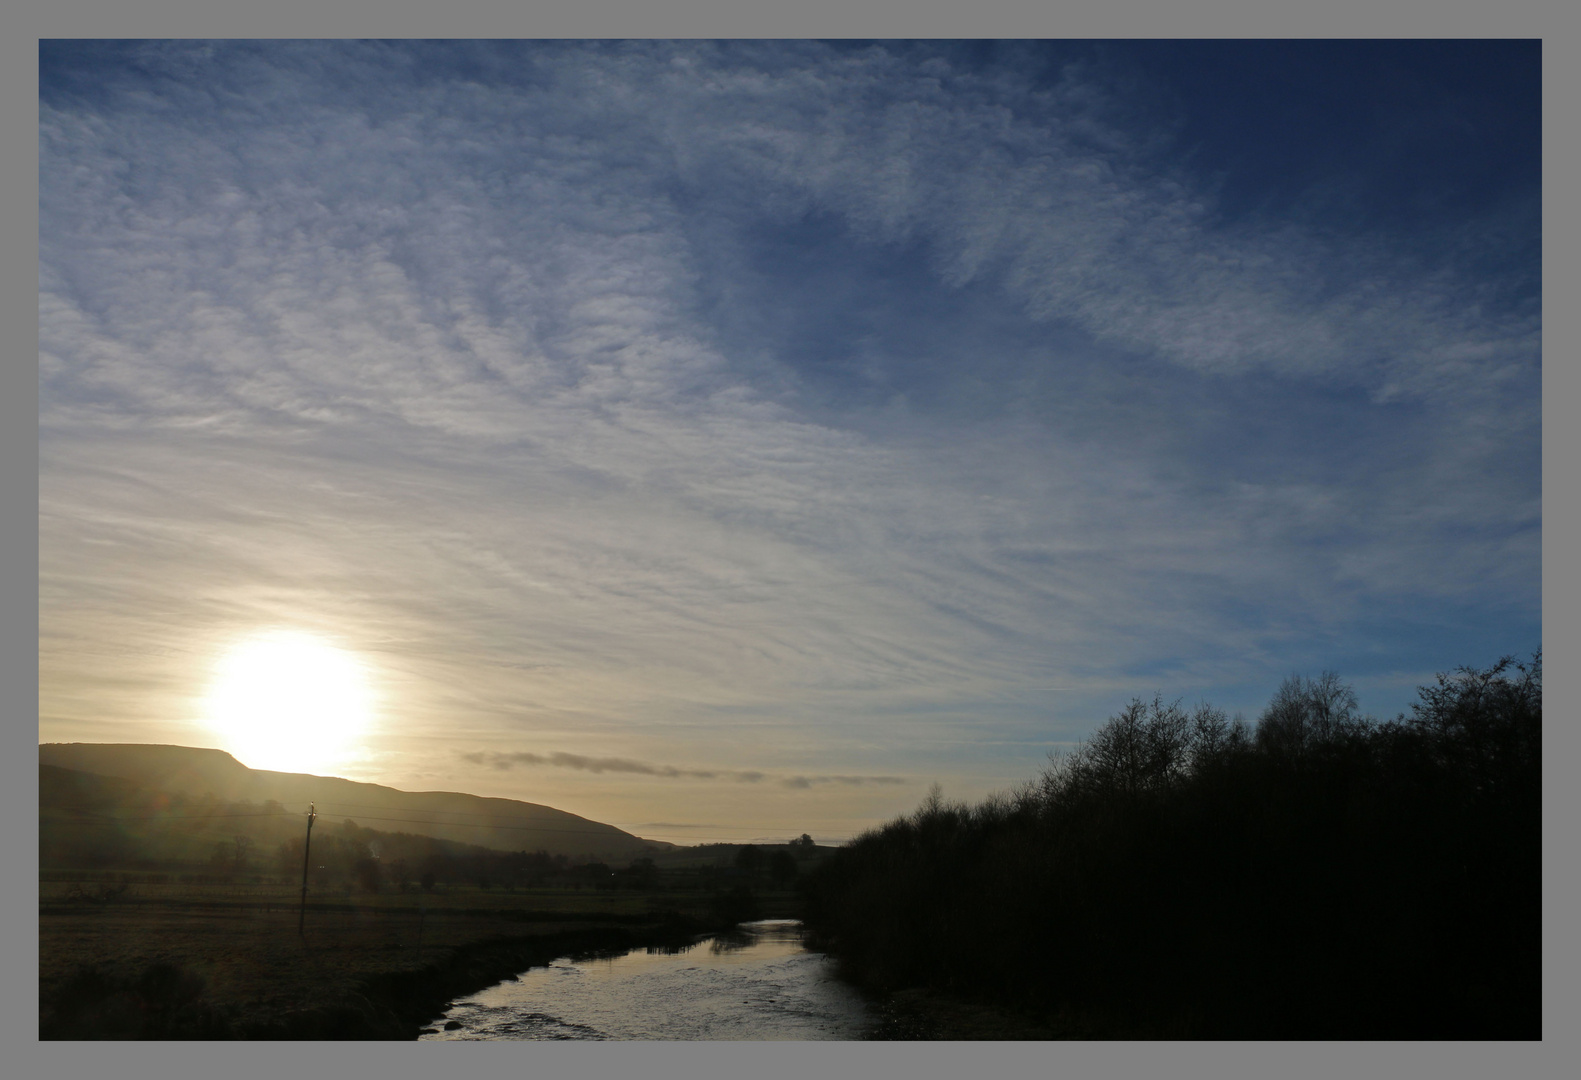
(1317, 874)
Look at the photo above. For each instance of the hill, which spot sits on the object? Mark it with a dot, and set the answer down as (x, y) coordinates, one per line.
(501, 824)
(90, 823)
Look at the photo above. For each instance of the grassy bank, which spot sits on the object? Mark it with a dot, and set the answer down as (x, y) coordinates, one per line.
(164, 915)
(121, 965)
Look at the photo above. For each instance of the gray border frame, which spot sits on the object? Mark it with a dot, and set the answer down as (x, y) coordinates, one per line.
(761, 18)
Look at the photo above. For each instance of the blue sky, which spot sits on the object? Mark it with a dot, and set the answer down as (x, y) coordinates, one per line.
(738, 437)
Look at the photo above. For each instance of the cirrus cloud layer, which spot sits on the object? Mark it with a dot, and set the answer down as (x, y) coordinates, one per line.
(802, 411)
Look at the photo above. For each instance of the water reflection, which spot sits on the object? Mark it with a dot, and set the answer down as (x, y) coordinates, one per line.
(737, 939)
(757, 982)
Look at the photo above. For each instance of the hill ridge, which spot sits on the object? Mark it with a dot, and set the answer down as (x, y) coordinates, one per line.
(489, 821)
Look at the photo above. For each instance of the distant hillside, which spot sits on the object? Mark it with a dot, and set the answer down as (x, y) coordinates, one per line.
(502, 824)
(88, 821)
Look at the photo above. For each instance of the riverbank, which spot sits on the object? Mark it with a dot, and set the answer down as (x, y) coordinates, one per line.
(212, 972)
(923, 1014)
(216, 971)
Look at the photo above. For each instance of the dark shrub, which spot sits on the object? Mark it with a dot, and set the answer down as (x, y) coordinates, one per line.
(1321, 876)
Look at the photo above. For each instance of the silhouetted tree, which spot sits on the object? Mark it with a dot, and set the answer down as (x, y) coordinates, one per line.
(783, 868)
(749, 859)
(738, 904)
(1306, 714)
(642, 873)
(1319, 876)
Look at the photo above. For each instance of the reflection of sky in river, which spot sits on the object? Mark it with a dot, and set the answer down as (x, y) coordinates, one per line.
(758, 984)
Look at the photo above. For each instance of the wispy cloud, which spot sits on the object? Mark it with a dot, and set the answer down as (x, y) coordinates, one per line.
(615, 395)
(801, 782)
(506, 761)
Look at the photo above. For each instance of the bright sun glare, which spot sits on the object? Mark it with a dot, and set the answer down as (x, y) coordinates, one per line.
(289, 701)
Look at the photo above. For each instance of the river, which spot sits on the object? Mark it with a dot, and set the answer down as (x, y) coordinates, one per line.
(756, 983)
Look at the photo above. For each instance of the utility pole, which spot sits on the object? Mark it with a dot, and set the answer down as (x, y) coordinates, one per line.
(307, 846)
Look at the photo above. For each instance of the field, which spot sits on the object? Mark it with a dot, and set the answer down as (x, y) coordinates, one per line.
(124, 958)
(170, 915)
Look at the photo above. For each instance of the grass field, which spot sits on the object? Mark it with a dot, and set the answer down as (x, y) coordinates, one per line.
(85, 889)
(123, 958)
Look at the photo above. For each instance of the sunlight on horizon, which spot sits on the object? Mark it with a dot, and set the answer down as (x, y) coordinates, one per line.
(289, 701)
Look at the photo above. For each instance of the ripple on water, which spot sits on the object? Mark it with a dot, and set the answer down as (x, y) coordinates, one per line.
(757, 983)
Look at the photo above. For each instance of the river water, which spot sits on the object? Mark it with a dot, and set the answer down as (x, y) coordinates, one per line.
(756, 983)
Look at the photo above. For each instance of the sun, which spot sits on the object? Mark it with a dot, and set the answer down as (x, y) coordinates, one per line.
(289, 701)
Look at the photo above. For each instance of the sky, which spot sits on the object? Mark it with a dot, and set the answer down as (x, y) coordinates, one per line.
(729, 440)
